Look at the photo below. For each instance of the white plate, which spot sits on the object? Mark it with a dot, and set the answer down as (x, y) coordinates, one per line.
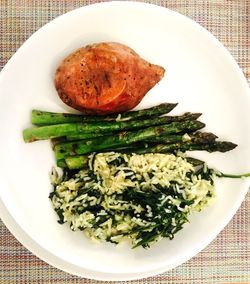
(201, 75)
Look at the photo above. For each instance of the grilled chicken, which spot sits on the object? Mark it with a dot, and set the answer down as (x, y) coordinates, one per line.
(105, 78)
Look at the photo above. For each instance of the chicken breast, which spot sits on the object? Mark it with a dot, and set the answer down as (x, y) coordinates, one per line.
(105, 78)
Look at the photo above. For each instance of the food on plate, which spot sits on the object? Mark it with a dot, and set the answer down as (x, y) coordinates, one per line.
(39, 117)
(105, 78)
(143, 198)
(173, 144)
(105, 125)
(128, 142)
(129, 175)
(150, 130)
(124, 174)
(75, 129)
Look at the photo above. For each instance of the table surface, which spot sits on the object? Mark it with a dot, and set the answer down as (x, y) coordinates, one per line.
(227, 258)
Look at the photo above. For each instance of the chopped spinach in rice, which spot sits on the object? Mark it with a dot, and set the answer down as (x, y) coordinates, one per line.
(142, 198)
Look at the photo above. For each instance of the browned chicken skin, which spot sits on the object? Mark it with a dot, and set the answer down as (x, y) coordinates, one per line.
(105, 78)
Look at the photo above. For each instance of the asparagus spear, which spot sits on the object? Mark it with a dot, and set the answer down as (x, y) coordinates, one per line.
(80, 161)
(164, 119)
(70, 161)
(197, 137)
(219, 146)
(39, 117)
(124, 138)
(51, 131)
(136, 124)
(69, 129)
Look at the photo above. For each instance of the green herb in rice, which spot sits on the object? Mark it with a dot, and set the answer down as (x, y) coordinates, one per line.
(143, 198)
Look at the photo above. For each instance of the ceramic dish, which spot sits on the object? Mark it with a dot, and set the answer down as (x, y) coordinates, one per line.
(200, 75)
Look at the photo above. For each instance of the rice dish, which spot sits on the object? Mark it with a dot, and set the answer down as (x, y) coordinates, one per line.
(142, 198)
